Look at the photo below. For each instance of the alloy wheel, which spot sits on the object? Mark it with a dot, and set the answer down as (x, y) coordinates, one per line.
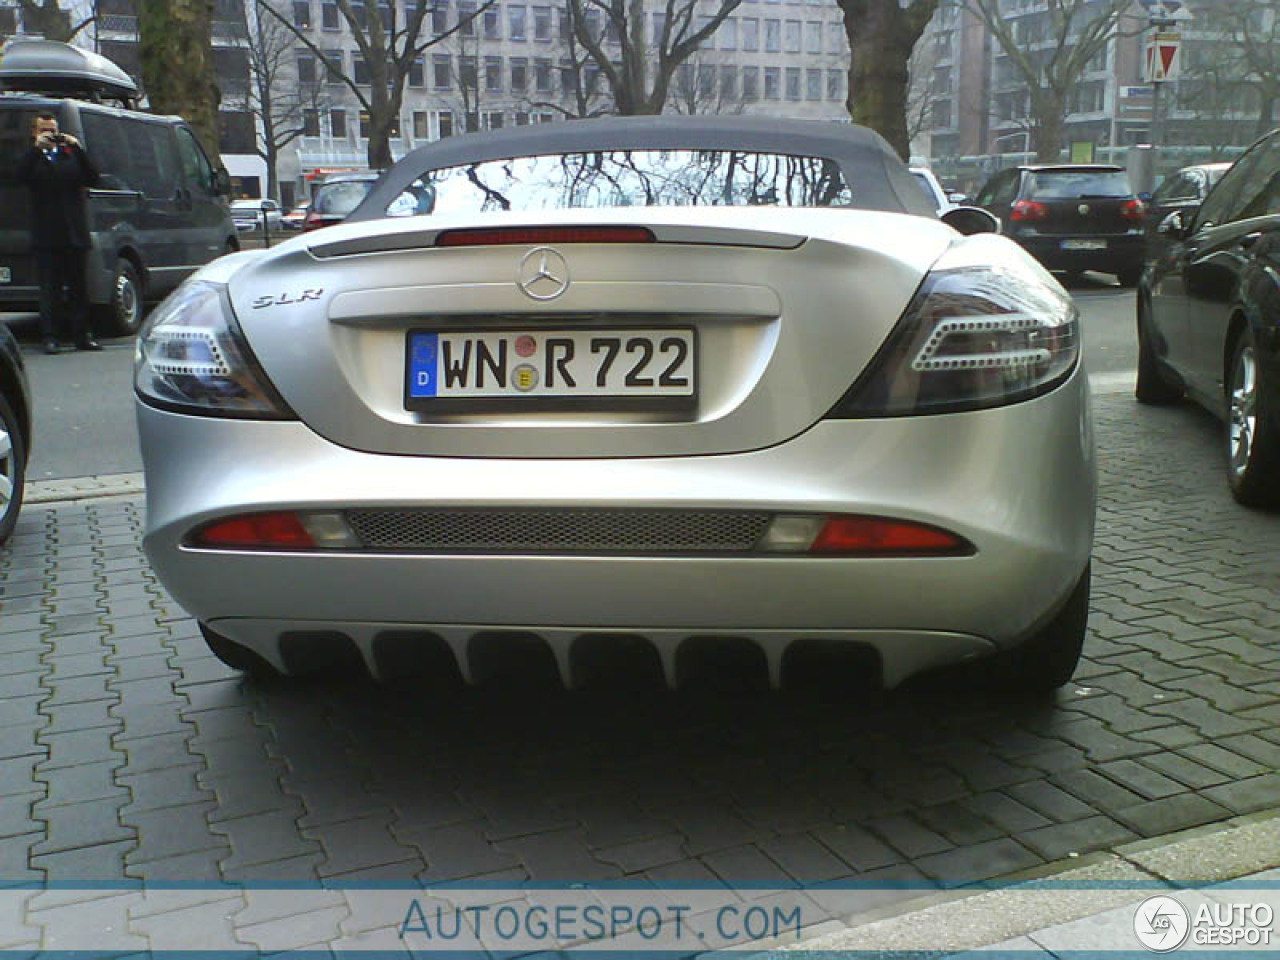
(126, 301)
(1243, 420)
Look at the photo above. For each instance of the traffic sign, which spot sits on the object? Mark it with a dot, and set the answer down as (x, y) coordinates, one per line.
(1164, 60)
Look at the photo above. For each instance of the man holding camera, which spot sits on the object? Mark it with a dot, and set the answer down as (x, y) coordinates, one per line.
(57, 172)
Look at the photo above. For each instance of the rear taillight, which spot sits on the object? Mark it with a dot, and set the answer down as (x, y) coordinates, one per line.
(1133, 210)
(853, 535)
(276, 530)
(1027, 210)
(499, 236)
(985, 329)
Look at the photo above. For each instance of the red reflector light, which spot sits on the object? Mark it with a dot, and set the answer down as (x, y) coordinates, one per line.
(255, 531)
(876, 535)
(1028, 210)
(1132, 210)
(499, 236)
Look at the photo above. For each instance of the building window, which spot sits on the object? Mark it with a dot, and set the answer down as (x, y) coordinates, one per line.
(729, 34)
(706, 82)
(546, 117)
(813, 84)
(421, 125)
(515, 22)
(772, 83)
(472, 120)
(365, 125)
(306, 63)
(493, 121)
(659, 24)
(467, 19)
(836, 38)
(542, 24)
(519, 74)
(493, 23)
(467, 67)
(444, 123)
(942, 114)
(728, 83)
(542, 75)
(440, 18)
(418, 72)
(302, 13)
(793, 36)
(338, 124)
(328, 15)
(750, 84)
(835, 84)
(359, 70)
(441, 72)
(333, 74)
(750, 34)
(773, 36)
(493, 74)
(311, 123)
(793, 83)
(813, 36)
(522, 118)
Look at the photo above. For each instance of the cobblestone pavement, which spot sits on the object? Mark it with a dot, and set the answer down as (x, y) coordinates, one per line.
(127, 751)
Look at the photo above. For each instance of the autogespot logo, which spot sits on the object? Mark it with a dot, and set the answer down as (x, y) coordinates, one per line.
(1161, 924)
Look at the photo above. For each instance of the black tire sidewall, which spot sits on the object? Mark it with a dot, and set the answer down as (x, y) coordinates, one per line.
(119, 328)
(1256, 486)
(9, 519)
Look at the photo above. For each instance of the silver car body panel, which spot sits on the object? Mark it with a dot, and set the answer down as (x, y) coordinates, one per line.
(1016, 481)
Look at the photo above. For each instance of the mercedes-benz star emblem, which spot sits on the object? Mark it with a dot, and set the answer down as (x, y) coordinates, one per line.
(1084, 209)
(544, 274)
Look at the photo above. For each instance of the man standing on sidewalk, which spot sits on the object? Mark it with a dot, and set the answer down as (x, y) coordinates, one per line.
(57, 172)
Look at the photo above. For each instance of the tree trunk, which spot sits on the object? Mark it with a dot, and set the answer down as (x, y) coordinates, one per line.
(52, 22)
(1049, 117)
(880, 45)
(175, 49)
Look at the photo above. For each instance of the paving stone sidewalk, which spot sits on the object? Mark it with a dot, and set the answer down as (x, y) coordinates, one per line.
(127, 751)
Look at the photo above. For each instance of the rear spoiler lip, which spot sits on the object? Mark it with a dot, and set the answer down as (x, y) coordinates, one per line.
(662, 233)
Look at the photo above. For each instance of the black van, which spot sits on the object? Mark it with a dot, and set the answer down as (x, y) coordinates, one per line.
(160, 211)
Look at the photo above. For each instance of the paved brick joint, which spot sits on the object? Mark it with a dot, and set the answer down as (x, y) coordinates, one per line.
(127, 751)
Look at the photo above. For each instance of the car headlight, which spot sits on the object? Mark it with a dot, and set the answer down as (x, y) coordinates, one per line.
(976, 335)
(192, 357)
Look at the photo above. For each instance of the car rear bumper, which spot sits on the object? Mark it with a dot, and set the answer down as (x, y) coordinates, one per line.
(1017, 482)
(1123, 252)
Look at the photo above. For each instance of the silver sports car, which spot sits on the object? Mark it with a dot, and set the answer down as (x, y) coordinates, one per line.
(687, 392)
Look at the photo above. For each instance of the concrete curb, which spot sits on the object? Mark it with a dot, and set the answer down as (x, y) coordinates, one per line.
(1070, 890)
(83, 488)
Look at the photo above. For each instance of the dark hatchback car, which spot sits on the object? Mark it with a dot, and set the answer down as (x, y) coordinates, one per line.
(1209, 317)
(15, 430)
(1071, 218)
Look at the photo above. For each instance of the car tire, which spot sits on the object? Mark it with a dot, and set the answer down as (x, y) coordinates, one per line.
(1152, 386)
(238, 657)
(122, 315)
(1129, 278)
(1048, 659)
(1253, 449)
(13, 469)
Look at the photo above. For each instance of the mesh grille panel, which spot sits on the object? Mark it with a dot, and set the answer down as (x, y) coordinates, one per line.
(560, 530)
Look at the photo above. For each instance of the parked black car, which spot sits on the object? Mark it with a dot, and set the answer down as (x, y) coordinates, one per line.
(1209, 317)
(1071, 218)
(159, 211)
(1184, 190)
(15, 430)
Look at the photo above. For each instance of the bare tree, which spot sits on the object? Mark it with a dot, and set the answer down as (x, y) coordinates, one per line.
(882, 37)
(640, 72)
(1049, 51)
(388, 48)
(1247, 48)
(47, 18)
(698, 88)
(282, 92)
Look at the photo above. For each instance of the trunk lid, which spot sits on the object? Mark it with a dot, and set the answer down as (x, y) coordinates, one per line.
(776, 314)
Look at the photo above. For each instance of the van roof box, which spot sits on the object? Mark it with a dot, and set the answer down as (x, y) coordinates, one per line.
(47, 66)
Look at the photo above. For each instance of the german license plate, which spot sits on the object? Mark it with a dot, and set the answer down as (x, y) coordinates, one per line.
(1084, 244)
(5, 275)
(522, 367)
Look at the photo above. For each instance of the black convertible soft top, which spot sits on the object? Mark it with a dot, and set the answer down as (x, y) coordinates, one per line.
(879, 179)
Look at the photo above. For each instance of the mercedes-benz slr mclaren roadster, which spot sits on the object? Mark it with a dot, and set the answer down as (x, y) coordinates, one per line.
(684, 393)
